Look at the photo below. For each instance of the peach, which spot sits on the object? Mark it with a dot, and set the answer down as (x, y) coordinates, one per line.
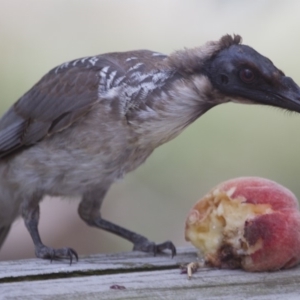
(249, 222)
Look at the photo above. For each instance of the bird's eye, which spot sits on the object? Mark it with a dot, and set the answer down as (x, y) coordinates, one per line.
(247, 75)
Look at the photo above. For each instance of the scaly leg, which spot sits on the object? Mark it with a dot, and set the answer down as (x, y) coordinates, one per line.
(31, 215)
(89, 211)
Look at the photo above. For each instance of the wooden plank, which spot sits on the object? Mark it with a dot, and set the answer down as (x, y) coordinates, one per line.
(143, 276)
(93, 264)
(165, 284)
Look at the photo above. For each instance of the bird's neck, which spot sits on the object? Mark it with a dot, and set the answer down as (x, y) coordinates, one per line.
(168, 112)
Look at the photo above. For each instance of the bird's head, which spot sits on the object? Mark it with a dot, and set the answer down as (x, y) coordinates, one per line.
(240, 74)
(244, 75)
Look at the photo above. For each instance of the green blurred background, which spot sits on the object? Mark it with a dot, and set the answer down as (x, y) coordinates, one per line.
(229, 141)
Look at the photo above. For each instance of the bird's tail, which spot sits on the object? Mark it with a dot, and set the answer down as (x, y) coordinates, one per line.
(3, 233)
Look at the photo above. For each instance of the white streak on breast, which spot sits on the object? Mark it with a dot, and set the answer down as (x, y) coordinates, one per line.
(110, 79)
(62, 66)
(143, 87)
(131, 58)
(75, 62)
(160, 76)
(103, 71)
(90, 59)
(158, 54)
(103, 80)
(93, 60)
(138, 76)
(132, 90)
(118, 80)
(135, 67)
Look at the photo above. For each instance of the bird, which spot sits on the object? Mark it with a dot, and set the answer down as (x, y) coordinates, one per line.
(90, 121)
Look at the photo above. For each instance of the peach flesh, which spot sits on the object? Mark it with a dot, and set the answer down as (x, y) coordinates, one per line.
(248, 222)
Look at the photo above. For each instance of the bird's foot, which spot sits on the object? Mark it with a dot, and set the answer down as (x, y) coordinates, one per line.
(53, 254)
(143, 244)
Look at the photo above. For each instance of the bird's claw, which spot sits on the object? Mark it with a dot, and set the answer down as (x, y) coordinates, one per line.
(53, 254)
(150, 247)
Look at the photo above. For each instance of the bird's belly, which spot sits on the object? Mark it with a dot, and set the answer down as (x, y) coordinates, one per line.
(71, 172)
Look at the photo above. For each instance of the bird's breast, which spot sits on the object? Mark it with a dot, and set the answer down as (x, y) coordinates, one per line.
(70, 163)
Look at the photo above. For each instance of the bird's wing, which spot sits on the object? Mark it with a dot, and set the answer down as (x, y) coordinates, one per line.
(60, 98)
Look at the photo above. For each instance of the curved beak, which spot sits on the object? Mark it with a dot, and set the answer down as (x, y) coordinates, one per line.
(287, 95)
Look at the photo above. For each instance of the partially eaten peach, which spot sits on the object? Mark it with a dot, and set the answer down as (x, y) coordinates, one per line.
(250, 223)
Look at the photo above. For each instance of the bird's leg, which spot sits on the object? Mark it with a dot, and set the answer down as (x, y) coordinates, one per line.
(89, 211)
(31, 215)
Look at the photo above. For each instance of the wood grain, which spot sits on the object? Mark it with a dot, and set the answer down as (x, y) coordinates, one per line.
(143, 276)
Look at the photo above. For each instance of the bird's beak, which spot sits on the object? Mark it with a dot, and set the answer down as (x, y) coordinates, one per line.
(288, 95)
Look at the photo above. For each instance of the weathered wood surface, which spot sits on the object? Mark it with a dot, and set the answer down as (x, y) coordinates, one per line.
(143, 276)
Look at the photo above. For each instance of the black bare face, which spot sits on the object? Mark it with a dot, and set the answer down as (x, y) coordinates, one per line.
(242, 73)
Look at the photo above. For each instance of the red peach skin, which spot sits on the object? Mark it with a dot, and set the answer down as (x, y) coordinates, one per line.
(248, 222)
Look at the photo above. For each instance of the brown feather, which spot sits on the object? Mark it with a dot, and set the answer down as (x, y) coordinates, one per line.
(52, 105)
